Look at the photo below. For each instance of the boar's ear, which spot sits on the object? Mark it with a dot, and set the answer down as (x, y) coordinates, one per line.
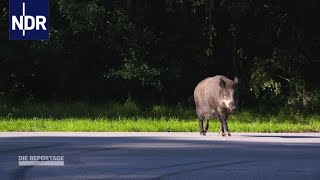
(236, 80)
(222, 83)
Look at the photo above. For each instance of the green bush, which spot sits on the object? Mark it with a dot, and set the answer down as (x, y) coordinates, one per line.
(279, 82)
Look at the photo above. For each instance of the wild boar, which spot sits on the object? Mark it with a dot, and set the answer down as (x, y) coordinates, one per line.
(216, 97)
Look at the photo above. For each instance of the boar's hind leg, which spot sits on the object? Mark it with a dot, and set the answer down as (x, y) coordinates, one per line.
(201, 126)
(206, 126)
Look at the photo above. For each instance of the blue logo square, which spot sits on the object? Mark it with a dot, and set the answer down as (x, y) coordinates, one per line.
(29, 20)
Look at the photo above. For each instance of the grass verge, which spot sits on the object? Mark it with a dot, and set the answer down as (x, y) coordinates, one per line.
(129, 117)
(148, 125)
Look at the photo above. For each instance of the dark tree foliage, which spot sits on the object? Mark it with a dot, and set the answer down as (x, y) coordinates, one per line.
(157, 51)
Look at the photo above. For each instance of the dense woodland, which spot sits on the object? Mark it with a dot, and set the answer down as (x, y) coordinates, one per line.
(156, 51)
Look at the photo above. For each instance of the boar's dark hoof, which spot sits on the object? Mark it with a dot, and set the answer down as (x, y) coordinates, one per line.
(225, 134)
(203, 133)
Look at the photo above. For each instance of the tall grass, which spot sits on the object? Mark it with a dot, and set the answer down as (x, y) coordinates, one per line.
(113, 110)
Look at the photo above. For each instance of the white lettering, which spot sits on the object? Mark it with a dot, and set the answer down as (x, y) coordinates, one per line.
(28, 26)
(16, 22)
(40, 21)
(23, 158)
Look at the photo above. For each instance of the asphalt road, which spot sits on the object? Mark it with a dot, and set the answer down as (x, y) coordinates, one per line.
(163, 156)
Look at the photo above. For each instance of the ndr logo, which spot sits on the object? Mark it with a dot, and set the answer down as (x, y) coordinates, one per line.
(29, 20)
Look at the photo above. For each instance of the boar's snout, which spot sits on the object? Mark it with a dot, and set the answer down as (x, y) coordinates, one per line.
(233, 107)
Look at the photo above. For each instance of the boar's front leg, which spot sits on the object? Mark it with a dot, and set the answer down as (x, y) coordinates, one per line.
(221, 128)
(227, 129)
(224, 126)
